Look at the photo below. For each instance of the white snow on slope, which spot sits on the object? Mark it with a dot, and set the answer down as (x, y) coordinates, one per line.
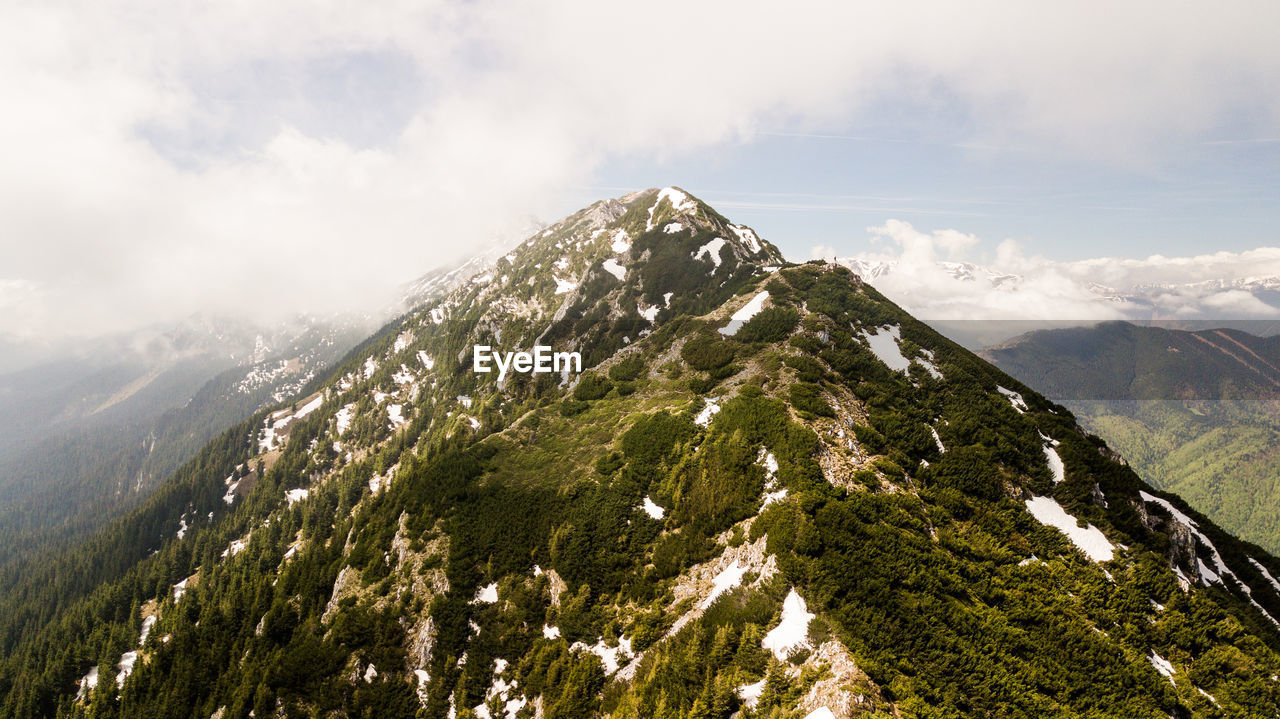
(704, 417)
(180, 589)
(1163, 666)
(792, 632)
(608, 655)
(1015, 399)
(344, 418)
(621, 241)
(127, 661)
(727, 579)
(1056, 467)
(650, 313)
(487, 594)
(652, 509)
(1274, 584)
(612, 267)
(237, 546)
(937, 440)
(309, 407)
(712, 250)
(772, 497)
(929, 366)
(884, 345)
(296, 495)
(680, 202)
(395, 414)
(402, 341)
(1209, 576)
(1089, 540)
(550, 632)
(747, 236)
(147, 625)
(820, 713)
(182, 527)
(230, 496)
(563, 286)
(750, 693)
(88, 683)
(673, 227)
(370, 366)
(749, 310)
(403, 376)
(427, 360)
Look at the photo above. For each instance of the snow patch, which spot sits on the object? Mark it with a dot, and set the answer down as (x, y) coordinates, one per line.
(612, 267)
(884, 345)
(712, 250)
(1089, 540)
(727, 579)
(748, 237)
(1015, 399)
(649, 313)
(673, 227)
(704, 417)
(621, 241)
(88, 683)
(564, 286)
(750, 693)
(937, 440)
(344, 417)
(147, 625)
(549, 632)
(652, 509)
(1274, 584)
(792, 632)
(127, 662)
(427, 360)
(487, 594)
(820, 713)
(309, 407)
(395, 414)
(296, 495)
(608, 655)
(1056, 467)
(680, 202)
(1163, 666)
(749, 310)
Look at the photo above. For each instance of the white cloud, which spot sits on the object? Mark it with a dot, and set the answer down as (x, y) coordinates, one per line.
(939, 277)
(166, 157)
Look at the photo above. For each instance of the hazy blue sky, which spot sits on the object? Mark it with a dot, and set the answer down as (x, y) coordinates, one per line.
(805, 189)
(273, 158)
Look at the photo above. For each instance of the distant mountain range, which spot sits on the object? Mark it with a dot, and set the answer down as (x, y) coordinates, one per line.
(1196, 413)
(979, 305)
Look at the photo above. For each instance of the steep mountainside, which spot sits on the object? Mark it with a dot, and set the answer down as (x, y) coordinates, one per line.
(1195, 413)
(89, 437)
(772, 493)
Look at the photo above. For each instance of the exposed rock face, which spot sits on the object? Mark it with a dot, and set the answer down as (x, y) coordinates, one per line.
(844, 689)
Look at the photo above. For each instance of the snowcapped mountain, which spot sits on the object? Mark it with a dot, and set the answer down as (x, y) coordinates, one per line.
(766, 490)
